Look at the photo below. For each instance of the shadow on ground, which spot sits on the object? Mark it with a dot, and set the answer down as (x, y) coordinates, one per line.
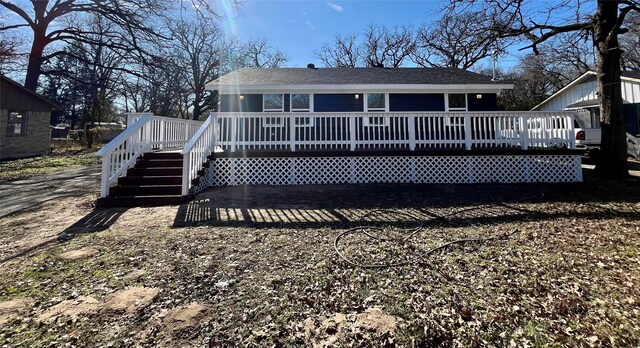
(343, 206)
(98, 220)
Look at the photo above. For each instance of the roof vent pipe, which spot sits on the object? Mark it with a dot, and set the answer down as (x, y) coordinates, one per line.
(311, 66)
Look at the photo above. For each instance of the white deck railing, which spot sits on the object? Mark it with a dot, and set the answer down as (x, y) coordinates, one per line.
(145, 133)
(195, 153)
(378, 130)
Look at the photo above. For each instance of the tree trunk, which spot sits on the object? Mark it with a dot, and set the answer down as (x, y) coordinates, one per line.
(612, 162)
(34, 69)
(197, 109)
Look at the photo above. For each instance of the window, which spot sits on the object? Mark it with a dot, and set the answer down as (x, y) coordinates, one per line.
(457, 102)
(17, 123)
(300, 103)
(273, 103)
(376, 102)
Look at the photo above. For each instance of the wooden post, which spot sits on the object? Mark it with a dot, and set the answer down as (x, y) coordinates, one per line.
(352, 131)
(412, 131)
(104, 184)
(292, 131)
(161, 136)
(525, 132)
(467, 130)
(234, 128)
(186, 171)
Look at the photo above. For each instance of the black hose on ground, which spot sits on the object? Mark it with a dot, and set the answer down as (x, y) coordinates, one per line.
(408, 234)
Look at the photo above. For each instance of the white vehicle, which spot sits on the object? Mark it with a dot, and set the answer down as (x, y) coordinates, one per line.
(589, 140)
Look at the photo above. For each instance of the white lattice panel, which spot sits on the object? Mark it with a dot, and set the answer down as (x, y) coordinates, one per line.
(555, 168)
(389, 169)
(205, 181)
(322, 170)
(503, 169)
(383, 169)
(440, 170)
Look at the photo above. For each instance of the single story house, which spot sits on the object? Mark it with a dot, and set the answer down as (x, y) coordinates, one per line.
(356, 90)
(296, 126)
(582, 95)
(24, 121)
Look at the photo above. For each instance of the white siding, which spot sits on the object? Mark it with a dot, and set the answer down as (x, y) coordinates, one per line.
(631, 92)
(577, 93)
(586, 91)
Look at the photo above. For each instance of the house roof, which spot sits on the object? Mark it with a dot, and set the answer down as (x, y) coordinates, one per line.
(30, 92)
(625, 75)
(346, 78)
(584, 104)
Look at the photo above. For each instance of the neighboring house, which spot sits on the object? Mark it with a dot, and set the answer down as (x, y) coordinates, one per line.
(356, 90)
(24, 121)
(582, 94)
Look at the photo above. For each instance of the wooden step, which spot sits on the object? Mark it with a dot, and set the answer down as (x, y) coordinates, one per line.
(145, 190)
(142, 201)
(157, 163)
(158, 171)
(162, 155)
(150, 180)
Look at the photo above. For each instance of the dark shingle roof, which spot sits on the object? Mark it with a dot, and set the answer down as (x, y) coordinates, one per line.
(352, 76)
(631, 74)
(30, 92)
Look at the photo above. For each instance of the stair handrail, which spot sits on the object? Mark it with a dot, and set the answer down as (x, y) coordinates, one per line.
(123, 151)
(196, 151)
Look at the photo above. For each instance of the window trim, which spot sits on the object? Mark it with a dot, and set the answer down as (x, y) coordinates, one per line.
(366, 103)
(451, 121)
(446, 103)
(264, 109)
(309, 109)
(23, 123)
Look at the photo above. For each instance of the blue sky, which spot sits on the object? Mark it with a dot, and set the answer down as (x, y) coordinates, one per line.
(300, 27)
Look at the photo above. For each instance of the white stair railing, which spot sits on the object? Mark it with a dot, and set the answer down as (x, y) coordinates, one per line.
(145, 133)
(195, 153)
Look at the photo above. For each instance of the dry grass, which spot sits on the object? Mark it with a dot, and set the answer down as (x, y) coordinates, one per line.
(65, 155)
(262, 261)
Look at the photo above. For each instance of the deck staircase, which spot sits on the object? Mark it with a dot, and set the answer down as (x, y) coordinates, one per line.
(155, 179)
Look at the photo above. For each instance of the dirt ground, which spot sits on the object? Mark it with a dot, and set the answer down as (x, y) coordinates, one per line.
(261, 266)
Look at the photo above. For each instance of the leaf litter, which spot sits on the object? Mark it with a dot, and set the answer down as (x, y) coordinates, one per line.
(569, 277)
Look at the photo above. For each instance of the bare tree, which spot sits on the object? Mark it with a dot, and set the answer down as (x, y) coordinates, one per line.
(535, 79)
(159, 88)
(631, 44)
(456, 41)
(342, 53)
(377, 46)
(387, 47)
(8, 52)
(198, 47)
(46, 21)
(528, 20)
(257, 53)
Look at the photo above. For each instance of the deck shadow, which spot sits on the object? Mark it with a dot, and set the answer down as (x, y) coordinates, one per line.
(343, 206)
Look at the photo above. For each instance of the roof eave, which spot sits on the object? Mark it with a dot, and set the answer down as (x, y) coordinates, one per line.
(399, 88)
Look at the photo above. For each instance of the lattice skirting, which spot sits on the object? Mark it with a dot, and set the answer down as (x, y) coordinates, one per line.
(386, 169)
